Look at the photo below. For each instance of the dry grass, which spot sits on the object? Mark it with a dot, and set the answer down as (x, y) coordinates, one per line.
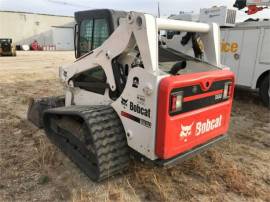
(234, 178)
(110, 192)
(45, 155)
(32, 169)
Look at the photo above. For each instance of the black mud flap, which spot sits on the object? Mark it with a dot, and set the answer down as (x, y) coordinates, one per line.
(36, 108)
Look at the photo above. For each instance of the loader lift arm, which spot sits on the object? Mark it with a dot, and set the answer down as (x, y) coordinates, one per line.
(140, 30)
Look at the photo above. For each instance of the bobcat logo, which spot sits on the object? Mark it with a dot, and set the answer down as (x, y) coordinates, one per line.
(124, 102)
(186, 130)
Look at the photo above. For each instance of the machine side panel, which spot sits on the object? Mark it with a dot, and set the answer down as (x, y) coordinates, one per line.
(137, 109)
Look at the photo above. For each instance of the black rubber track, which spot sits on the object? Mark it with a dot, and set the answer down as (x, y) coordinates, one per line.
(92, 136)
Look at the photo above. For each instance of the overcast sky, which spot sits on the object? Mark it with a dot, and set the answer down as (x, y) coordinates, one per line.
(167, 7)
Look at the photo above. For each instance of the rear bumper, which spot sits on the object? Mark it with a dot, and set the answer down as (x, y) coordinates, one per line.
(192, 152)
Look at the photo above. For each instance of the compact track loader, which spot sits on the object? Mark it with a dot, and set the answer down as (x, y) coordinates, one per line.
(127, 94)
(7, 48)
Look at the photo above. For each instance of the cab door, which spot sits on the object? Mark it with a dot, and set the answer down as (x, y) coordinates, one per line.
(92, 28)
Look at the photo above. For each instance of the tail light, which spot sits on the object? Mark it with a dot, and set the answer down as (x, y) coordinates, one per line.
(176, 101)
(227, 90)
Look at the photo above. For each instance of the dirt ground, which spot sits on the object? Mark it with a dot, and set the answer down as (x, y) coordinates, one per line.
(32, 169)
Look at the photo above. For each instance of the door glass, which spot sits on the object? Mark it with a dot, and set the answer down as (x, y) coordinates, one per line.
(95, 74)
(86, 32)
(93, 80)
(101, 32)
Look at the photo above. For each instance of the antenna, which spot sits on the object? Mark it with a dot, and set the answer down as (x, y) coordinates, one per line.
(158, 10)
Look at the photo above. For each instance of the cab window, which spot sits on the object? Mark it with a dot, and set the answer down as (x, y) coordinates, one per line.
(86, 33)
(101, 32)
(93, 32)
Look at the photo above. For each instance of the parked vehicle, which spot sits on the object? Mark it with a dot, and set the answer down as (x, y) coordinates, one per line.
(7, 48)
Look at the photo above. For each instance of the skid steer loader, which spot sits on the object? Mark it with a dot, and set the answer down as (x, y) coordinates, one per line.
(7, 48)
(127, 94)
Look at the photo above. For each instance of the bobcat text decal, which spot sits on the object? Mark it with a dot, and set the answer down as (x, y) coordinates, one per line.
(208, 125)
(136, 108)
(201, 127)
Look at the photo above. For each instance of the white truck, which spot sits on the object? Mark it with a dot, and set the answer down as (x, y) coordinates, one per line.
(245, 47)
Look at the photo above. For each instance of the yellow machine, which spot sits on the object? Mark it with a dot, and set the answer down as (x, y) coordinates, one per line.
(7, 48)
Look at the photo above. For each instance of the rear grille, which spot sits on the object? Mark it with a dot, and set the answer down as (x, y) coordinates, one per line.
(231, 16)
(195, 98)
